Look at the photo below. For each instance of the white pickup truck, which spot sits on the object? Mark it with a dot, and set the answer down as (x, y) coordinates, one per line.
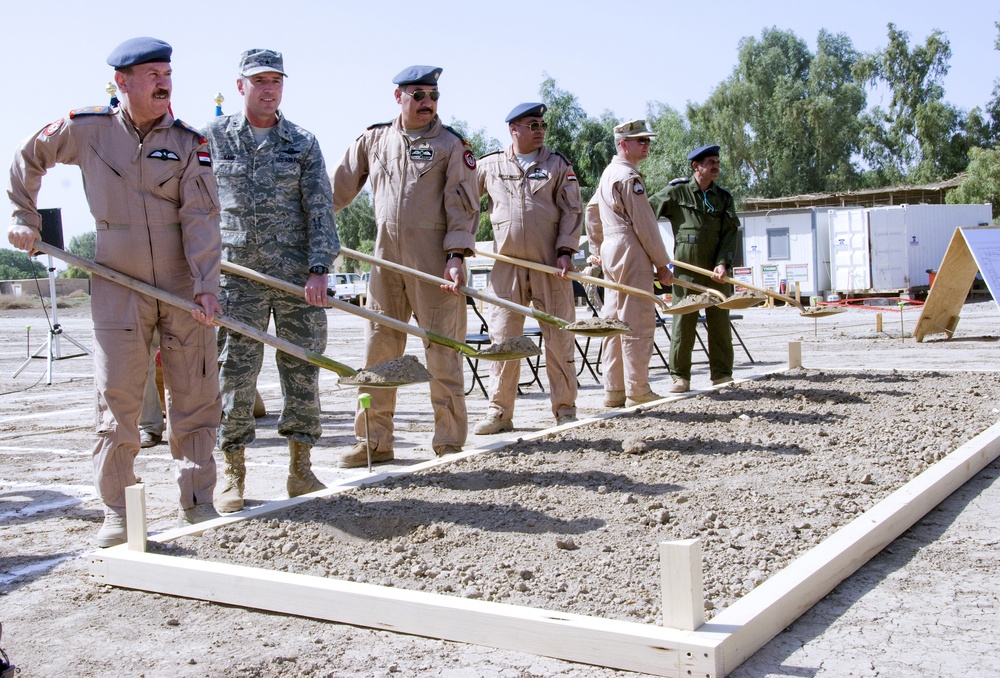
(349, 287)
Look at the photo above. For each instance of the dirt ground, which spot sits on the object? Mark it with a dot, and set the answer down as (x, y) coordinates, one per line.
(921, 607)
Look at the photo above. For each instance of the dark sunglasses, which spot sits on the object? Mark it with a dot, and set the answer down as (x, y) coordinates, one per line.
(419, 94)
(535, 126)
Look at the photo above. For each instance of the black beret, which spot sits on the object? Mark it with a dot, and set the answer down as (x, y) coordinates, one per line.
(139, 51)
(418, 75)
(703, 152)
(535, 110)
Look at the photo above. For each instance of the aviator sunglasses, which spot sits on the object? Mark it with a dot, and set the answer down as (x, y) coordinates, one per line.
(419, 94)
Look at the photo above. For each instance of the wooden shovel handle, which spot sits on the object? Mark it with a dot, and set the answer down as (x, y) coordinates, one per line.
(475, 294)
(573, 275)
(733, 281)
(311, 357)
(365, 313)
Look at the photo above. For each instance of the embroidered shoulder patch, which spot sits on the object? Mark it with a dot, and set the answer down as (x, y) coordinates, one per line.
(54, 127)
(638, 188)
(470, 159)
(204, 158)
(571, 176)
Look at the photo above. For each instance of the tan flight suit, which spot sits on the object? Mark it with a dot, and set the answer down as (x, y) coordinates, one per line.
(425, 200)
(623, 230)
(535, 213)
(157, 214)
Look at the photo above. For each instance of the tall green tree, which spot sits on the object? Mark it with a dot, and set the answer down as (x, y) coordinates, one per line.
(785, 118)
(919, 137)
(356, 228)
(85, 247)
(982, 181)
(668, 153)
(983, 124)
(17, 265)
(587, 142)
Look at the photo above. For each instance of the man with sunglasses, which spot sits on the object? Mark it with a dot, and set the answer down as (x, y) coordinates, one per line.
(706, 234)
(624, 235)
(423, 183)
(277, 218)
(534, 203)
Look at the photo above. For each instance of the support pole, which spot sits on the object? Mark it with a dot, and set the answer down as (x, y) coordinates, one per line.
(135, 517)
(794, 354)
(682, 584)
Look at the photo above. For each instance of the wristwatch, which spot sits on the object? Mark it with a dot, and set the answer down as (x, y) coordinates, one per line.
(319, 270)
(455, 255)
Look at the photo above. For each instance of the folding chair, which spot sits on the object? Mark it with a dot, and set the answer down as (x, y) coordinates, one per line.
(579, 291)
(479, 340)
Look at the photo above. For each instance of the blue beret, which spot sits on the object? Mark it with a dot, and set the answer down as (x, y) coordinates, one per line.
(139, 51)
(703, 152)
(418, 75)
(521, 110)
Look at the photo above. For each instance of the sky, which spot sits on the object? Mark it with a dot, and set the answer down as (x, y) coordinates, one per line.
(341, 57)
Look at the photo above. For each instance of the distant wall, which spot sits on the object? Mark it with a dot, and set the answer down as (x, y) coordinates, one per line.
(64, 286)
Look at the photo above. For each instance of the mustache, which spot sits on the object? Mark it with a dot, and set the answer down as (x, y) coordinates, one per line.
(425, 109)
(161, 92)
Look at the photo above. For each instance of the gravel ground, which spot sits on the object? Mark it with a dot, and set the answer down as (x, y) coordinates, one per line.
(922, 607)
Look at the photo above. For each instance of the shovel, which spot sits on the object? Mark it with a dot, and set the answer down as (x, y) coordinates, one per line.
(627, 289)
(820, 312)
(399, 325)
(591, 327)
(347, 373)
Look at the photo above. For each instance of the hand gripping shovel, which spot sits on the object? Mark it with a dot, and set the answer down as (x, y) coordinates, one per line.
(819, 312)
(679, 309)
(312, 357)
(591, 327)
(399, 325)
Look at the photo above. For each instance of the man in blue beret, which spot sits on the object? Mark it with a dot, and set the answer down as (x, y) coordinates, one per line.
(534, 203)
(423, 183)
(154, 200)
(706, 234)
(277, 218)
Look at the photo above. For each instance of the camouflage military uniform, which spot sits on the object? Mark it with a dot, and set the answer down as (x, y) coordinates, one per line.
(277, 218)
(705, 234)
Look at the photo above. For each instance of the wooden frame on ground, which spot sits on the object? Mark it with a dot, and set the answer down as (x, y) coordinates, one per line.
(711, 650)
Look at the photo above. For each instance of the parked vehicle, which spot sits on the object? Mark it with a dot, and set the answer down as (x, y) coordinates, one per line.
(349, 287)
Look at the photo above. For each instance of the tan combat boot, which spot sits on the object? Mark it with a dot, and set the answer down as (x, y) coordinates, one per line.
(234, 473)
(301, 479)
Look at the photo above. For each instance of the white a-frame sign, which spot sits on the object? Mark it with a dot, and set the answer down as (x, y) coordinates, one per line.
(974, 248)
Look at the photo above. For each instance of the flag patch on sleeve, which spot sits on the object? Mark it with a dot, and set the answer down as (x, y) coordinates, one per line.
(204, 158)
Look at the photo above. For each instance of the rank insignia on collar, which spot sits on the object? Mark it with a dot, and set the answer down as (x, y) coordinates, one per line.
(204, 158)
(424, 154)
(163, 154)
(638, 189)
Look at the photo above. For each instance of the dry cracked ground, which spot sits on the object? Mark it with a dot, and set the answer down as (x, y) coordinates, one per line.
(760, 471)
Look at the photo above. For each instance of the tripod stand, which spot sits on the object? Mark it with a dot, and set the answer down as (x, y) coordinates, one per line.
(51, 349)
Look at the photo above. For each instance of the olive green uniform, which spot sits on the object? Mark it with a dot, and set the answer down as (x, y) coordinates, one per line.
(706, 234)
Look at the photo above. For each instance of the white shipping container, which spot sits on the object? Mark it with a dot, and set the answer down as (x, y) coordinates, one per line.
(892, 247)
(795, 240)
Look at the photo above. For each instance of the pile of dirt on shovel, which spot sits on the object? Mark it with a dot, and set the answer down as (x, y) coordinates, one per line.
(405, 370)
(703, 299)
(515, 345)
